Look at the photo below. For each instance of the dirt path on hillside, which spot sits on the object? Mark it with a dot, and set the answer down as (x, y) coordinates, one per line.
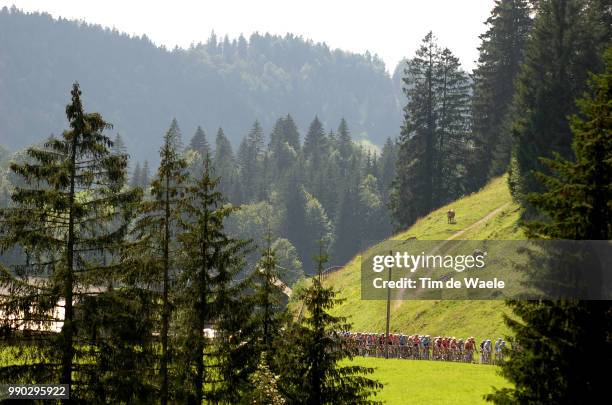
(481, 221)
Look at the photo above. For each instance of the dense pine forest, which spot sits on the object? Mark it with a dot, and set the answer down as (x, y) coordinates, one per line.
(171, 245)
(216, 82)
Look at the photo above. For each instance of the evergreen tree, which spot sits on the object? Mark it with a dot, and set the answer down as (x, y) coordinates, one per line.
(199, 143)
(265, 385)
(294, 201)
(318, 227)
(362, 217)
(225, 167)
(344, 147)
(70, 213)
(292, 136)
(373, 215)
(348, 225)
(315, 145)
(501, 55)
(578, 197)
(212, 47)
(250, 157)
(136, 176)
(371, 164)
(318, 166)
(269, 298)
(156, 232)
(413, 188)
(452, 115)
(277, 137)
(119, 146)
(565, 366)
(206, 254)
(311, 373)
(284, 146)
(285, 131)
(387, 164)
(145, 176)
(566, 43)
(177, 136)
(235, 344)
(431, 159)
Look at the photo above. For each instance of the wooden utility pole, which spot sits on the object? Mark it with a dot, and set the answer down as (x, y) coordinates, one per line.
(388, 314)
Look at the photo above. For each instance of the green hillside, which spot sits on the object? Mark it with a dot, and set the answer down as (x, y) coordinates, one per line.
(487, 214)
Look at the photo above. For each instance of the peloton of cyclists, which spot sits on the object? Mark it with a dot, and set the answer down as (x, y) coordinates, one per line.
(424, 347)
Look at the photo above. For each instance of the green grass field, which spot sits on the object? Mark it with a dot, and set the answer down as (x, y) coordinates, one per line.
(432, 382)
(487, 214)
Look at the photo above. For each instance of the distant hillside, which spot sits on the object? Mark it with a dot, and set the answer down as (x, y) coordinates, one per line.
(487, 214)
(139, 87)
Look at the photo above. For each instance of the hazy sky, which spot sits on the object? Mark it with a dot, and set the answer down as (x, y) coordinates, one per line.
(392, 29)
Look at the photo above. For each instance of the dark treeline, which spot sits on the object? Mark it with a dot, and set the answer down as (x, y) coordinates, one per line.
(219, 81)
(137, 277)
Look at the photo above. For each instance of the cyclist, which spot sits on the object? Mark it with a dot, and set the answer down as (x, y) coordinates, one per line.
(425, 344)
(498, 349)
(470, 348)
(486, 352)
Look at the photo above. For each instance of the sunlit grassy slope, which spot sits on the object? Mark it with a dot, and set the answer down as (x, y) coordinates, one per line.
(487, 214)
(431, 382)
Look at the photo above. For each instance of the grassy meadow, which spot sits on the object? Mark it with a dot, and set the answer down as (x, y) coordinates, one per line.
(431, 382)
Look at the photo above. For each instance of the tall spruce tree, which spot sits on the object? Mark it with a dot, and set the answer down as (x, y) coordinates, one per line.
(294, 204)
(348, 225)
(206, 253)
(292, 135)
(269, 299)
(311, 373)
(387, 164)
(453, 131)
(315, 145)
(136, 176)
(344, 146)
(568, 40)
(145, 176)
(119, 147)
(284, 146)
(285, 131)
(278, 147)
(156, 233)
(196, 152)
(225, 167)
(501, 55)
(69, 214)
(199, 143)
(250, 158)
(235, 342)
(318, 165)
(566, 344)
(413, 187)
(431, 166)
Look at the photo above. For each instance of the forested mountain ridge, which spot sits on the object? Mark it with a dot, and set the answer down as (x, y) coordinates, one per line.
(221, 82)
